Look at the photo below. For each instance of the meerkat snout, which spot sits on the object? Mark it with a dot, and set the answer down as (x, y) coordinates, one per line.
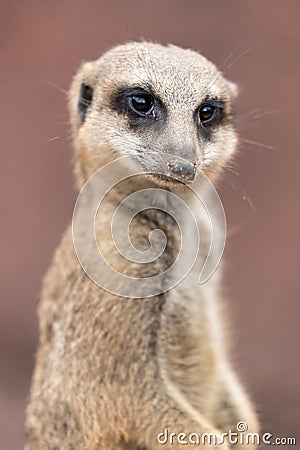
(183, 170)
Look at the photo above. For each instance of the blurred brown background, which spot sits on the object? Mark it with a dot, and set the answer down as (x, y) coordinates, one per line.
(41, 45)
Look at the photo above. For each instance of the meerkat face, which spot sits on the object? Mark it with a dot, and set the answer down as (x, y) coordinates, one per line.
(150, 100)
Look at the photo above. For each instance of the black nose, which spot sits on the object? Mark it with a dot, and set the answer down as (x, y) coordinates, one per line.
(183, 170)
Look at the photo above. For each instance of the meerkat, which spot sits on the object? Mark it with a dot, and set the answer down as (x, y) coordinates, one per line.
(114, 373)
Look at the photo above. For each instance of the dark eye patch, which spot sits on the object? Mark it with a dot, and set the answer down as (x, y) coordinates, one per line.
(209, 115)
(85, 100)
(141, 106)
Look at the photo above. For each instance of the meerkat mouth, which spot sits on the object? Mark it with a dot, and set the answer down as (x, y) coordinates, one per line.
(167, 179)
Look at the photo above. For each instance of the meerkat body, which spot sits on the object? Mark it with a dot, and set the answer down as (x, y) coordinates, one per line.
(111, 372)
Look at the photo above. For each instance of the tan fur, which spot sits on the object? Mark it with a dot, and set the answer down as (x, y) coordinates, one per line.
(111, 373)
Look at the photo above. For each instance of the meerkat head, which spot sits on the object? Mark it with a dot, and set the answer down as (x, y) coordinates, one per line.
(150, 100)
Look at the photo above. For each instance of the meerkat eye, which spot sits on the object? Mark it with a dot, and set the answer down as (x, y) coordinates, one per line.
(206, 113)
(211, 112)
(141, 104)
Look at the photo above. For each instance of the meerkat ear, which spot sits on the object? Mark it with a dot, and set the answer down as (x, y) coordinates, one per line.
(81, 93)
(233, 89)
(85, 100)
